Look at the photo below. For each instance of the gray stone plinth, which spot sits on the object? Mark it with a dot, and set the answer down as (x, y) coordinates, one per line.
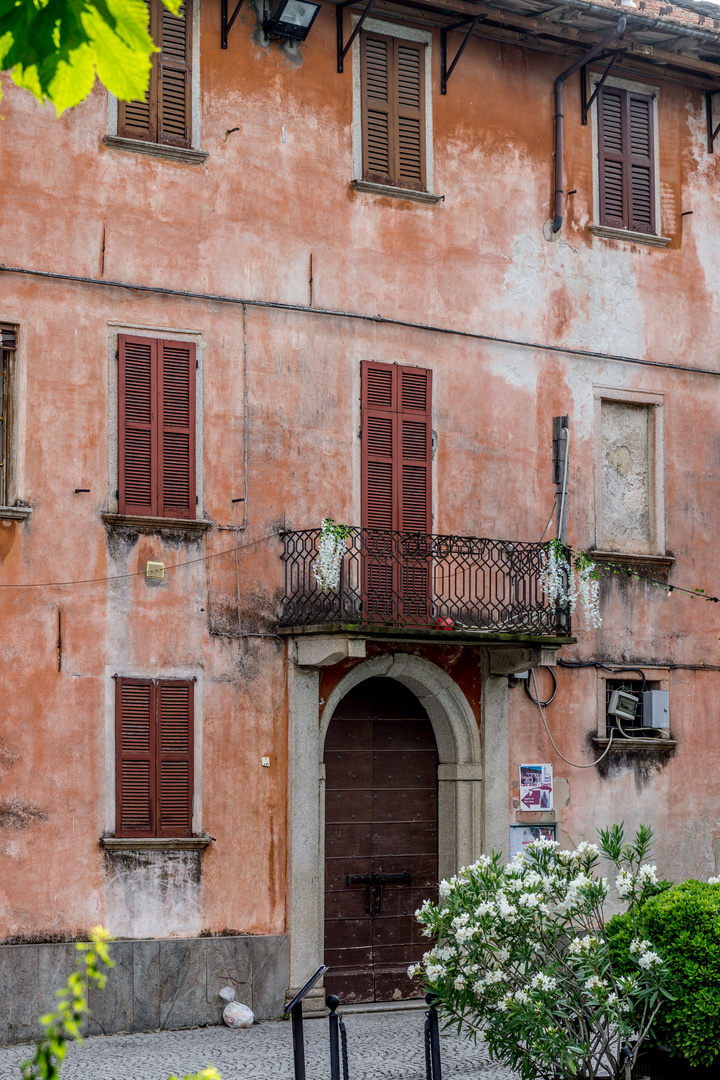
(168, 984)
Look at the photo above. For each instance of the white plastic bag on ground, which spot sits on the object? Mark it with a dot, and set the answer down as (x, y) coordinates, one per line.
(235, 1014)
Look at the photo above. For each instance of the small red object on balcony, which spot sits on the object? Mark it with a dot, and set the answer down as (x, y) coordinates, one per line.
(444, 622)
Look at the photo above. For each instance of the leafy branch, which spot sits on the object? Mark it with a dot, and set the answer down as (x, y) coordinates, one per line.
(55, 48)
(63, 1025)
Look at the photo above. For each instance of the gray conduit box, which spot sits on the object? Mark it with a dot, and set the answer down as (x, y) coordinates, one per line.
(656, 709)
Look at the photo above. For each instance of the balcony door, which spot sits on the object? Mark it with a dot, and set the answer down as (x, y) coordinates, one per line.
(381, 840)
(396, 492)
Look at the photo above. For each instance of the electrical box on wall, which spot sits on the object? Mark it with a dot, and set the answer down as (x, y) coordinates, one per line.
(656, 709)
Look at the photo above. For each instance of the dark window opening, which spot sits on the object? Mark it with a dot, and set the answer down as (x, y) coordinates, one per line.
(629, 686)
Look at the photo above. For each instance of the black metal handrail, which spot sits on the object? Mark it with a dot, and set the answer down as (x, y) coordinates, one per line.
(461, 584)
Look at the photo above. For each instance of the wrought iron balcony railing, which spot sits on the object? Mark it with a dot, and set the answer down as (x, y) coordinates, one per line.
(459, 584)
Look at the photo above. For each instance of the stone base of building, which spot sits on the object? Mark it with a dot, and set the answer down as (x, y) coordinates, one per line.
(166, 984)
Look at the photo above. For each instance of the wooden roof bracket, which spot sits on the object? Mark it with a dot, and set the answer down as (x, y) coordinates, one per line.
(225, 23)
(585, 103)
(579, 63)
(445, 71)
(343, 50)
(712, 135)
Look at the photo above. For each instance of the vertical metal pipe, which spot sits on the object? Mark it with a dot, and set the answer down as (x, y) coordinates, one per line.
(332, 1003)
(298, 1041)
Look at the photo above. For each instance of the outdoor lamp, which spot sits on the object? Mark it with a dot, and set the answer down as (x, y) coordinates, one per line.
(292, 19)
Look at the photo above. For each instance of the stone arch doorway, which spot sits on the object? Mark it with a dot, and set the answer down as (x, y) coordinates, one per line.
(460, 803)
(381, 840)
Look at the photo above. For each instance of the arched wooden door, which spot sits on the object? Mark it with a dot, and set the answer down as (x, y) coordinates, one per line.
(381, 840)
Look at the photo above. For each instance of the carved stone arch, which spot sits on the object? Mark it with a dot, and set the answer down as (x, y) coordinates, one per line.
(460, 807)
(452, 718)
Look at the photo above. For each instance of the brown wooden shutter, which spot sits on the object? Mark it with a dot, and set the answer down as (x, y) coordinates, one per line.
(175, 758)
(376, 61)
(642, 163)
(393, 110)
(410, 147)
(138, 119)
(135, 757)
(379, 446)
(415, 449)
(396, 447)
(627, 155)
(137, 426)
(176, 450)
(164, 115)
(174, 98)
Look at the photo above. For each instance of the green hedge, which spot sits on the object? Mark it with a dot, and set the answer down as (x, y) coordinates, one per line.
(683, 924)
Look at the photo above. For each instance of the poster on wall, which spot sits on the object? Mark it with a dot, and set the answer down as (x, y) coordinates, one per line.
(536, 787)
(522, 835)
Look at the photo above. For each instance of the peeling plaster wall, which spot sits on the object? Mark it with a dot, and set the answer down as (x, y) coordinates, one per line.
(626, 476)
(245, 223)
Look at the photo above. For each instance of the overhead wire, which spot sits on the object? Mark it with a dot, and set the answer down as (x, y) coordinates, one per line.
(574, 764)
(136, 573)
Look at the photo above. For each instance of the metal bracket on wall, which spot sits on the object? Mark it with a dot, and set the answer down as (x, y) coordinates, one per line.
(712, 135)
(225, 23)
(585, 102)
(343, 50)
(445, 71)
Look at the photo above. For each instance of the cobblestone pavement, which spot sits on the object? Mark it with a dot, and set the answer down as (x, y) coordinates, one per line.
(381, 1046)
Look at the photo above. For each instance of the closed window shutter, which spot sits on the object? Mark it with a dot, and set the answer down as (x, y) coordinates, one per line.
(135, 757)
(393, 111)
(164, 114)
(415, 447)
(137, 426)
(377, 112)
(396, 447)
(176, 384)
(174, 77)
(379, 450)
(642, 163)
(174, 759)
(138, 119)
(627, 172)
(410, 149)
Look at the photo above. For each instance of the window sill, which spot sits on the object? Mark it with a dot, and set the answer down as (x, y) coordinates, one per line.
(630, 237)
(662, 744)
(160, 150)
(163, 843)
(396, 192)
(625, 558)
(15, 513)
(155, 524)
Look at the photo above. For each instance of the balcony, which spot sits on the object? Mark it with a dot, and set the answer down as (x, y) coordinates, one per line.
(418, 585)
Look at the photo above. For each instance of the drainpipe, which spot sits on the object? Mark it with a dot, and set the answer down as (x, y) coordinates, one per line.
(601, 45)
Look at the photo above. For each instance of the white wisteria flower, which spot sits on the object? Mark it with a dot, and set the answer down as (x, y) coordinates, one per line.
(331, 549)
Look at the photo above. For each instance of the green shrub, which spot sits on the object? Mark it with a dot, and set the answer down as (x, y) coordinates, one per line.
(684, 925)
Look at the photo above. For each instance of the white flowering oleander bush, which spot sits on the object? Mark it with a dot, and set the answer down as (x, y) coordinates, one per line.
(564, 579)
(522, 960)
(331, 549)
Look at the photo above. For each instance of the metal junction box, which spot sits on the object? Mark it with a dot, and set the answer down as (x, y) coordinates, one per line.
(656, 709)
